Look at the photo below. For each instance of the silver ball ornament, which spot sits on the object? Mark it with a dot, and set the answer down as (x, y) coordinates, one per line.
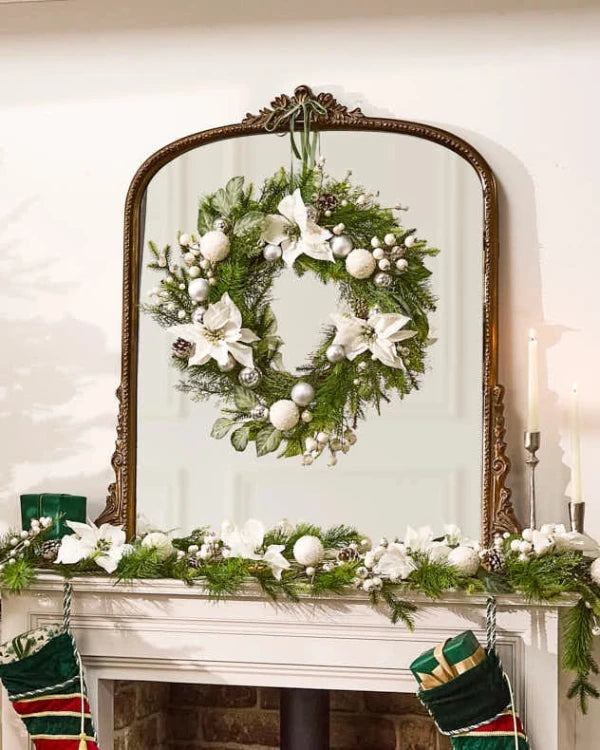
(383, 280)
(341, 246)
(397, 252)
(193, 272)
(335, 353)
(249, 377)
(260, 412)
(306, 416)
(220, 224)
(303, 393)
(272, 252)
(229, 365)
(198, 289)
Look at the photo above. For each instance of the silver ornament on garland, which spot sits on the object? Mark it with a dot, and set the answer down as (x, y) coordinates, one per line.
(249, 377)
(198, 290)
(341, 246)
(306, 416)
(303, 393)
(335, 353)
(220, 223)
(260, 412)
(383, 280)
(229, 365)
(272, 252)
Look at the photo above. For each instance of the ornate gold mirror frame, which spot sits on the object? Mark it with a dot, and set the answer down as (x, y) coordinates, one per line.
(497, 513)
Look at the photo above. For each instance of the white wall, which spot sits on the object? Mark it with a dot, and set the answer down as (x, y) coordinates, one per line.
(89, 89)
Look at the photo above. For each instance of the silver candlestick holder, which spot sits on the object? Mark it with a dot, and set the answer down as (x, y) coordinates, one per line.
(532, 445)
(577, 516)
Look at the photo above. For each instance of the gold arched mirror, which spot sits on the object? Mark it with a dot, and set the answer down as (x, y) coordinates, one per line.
(435, 456)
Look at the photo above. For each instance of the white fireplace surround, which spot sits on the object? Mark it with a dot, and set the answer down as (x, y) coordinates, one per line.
(164, 631)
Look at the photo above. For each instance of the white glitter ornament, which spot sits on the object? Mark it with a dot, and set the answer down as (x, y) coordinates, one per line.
(308, 550)
(284, 414)
(360, 263)
(214, 245)
(198, 289)
(465, 560)
(335, 353)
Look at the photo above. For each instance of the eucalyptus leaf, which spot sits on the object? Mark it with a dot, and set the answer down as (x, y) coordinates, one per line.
(205, 220)
(221, 202)
(268, 440)
(248, 221)
(244, 398)
(221, 427)
(234, 190)
(239, 438)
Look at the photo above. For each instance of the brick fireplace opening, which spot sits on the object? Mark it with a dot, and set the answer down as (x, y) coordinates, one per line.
(161, 716)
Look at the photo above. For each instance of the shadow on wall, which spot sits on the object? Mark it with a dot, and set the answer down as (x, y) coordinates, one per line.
(49, 377)
(67, 16)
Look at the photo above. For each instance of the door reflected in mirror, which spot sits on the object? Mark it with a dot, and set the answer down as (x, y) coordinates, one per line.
(420, 461)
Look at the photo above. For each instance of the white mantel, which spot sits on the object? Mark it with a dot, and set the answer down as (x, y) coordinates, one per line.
(166, 631)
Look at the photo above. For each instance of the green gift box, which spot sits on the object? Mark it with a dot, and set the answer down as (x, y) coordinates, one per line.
(59, 507)
(447, 660)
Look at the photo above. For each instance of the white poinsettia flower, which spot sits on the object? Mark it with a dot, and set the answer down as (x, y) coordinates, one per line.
(418, 540)
(395, 563)
(245, 541)
(295, 232)
(219, 335)
(541, 542)
(275, 560)
(379, 334)
(105, 543)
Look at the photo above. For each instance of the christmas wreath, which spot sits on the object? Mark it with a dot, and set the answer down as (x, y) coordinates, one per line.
(215, 301)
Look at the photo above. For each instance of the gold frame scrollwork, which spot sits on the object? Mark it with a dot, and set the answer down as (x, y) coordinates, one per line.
(497, 513)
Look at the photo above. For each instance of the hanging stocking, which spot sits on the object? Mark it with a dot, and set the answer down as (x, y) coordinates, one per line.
(466, 691)
(43, 675)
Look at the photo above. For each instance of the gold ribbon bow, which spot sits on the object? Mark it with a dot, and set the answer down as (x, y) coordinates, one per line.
(444, 672)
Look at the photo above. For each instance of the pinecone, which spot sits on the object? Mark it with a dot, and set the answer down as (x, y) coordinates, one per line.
(183, 349)
(492, 560)
(348, 554)
(50, 550)
(328, 202)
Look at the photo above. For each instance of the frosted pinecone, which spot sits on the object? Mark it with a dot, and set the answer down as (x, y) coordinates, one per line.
(49, 550)
(183, 349)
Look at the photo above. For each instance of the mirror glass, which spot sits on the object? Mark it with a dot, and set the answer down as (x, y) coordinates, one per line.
(420, 461)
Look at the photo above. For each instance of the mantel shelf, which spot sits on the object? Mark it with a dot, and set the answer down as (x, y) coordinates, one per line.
(178, 589)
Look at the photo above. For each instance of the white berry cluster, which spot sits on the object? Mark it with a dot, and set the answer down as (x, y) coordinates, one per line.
(208, 549)
(17, 544)
(321, 441)
(549, 538)
(200, 257)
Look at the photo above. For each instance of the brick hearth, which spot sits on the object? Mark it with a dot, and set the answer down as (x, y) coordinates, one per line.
(206, 717)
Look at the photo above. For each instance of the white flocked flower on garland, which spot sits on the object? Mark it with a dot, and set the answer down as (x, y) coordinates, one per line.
(215, 302)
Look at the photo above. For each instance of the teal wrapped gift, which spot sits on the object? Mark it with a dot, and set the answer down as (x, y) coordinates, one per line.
(59, 507)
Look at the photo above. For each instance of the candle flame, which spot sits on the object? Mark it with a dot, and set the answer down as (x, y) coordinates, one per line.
(532, 334)
(574, 386)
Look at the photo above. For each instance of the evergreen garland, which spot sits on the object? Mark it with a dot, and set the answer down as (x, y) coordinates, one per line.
(348, 563)
(343, 390)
